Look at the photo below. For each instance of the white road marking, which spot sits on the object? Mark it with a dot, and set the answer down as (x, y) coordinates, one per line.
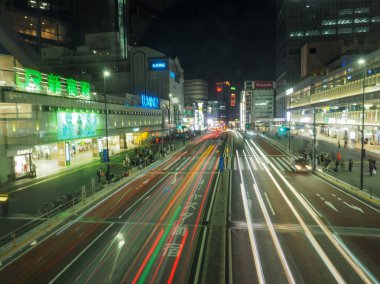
(331, 205)
(253, 164)
(79, 255)
(354, 207)
(270, 205)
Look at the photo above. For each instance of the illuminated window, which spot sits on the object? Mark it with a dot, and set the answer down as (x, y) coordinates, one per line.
(345, 12)
(329, 22)
(375, 19)
(344, 21)
(312, 33)
(344, 30)
(361, 29)
(328, 32)
(361, 20)
(361, 10)
(296, 34)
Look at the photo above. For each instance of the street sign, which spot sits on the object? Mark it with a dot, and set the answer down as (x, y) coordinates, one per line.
(221, 164)
(105, 155)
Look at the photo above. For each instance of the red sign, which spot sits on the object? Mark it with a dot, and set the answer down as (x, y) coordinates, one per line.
(233, 100)
(263, 85)
(218, 89)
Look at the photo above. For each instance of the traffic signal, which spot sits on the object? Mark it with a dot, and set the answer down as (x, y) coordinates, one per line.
(283, 129)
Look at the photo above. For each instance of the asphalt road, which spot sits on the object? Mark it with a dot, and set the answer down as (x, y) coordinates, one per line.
(303, 229)
(147, 231)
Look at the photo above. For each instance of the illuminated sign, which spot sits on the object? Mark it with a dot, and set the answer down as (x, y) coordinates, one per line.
(233, 100)
(150, 102)
(263, 85)
(233, 88)
(218, 89)
(67, 153)
(33, 80)
(23, 152)
(158, 64)
(73, 125)
(172, 74)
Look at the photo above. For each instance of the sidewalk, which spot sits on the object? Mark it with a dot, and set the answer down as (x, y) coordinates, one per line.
(329, 146)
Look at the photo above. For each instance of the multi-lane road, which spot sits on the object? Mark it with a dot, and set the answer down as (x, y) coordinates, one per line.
(281, 226)
(146, 231)
(298, 227)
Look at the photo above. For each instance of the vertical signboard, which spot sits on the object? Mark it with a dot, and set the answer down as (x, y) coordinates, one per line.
(67, 153)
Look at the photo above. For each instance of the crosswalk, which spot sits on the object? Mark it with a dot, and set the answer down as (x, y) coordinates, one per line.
(283, 163)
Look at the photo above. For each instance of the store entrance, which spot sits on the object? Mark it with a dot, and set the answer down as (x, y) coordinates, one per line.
(22, 165)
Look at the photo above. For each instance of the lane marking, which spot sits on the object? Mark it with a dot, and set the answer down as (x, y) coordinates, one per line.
(308, 202)
(354, 207)
(80, 254)
(328, 203)
(253, 164)
(358, 267)
(270, 205)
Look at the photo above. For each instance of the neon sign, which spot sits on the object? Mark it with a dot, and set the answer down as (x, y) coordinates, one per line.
(33, 80)
(158, 64)
(150, 102)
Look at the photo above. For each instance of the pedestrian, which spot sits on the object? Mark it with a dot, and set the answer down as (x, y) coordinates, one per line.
(99, 173)
(342, 165)
(345, 144)
(33, 169)
(350, 164)
(338, 144)
(336, 165)
(370, 167)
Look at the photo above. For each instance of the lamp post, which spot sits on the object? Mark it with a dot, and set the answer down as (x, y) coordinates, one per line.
(362, 63)
(106, 74)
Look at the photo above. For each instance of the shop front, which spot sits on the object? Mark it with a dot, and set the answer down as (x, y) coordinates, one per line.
(21, 162)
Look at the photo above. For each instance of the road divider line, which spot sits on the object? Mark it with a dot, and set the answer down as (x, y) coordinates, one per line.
(80, 254)
(270, 205)
(357, 268)
(269, 224)
(251, 233)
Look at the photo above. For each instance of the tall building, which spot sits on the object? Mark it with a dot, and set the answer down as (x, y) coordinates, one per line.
(196, 96)
(40, 23)
(229, 93)
(356, 23)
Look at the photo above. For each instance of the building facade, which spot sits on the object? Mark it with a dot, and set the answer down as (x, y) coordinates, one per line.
(337, 101)
(50, 118)
(196, 97)
(355, 23)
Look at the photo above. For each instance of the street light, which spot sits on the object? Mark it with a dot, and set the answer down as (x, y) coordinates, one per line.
(362, 63)
(106, 74)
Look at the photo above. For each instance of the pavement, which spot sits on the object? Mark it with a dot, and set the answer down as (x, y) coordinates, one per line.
(330, 146)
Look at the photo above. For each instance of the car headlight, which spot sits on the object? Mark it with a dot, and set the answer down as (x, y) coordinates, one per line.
(308, 167)
(298, 167)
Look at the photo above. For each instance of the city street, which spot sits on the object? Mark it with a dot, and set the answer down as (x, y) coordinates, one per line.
(306, 229)
(148, 227)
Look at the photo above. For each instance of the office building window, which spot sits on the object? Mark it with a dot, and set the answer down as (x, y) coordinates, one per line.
(375, 19)
(361, 29)
(328, 32)
(296, 34)
(344, 12)
(328, 22)
(361, 20)
(363, 10)
(344, 21)
(312, 33)
(42, 5)
(344, 30)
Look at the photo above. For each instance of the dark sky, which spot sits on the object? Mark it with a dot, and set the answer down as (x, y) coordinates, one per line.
(218, 40)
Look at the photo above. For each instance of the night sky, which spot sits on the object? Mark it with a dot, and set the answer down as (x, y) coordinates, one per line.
(218, 40)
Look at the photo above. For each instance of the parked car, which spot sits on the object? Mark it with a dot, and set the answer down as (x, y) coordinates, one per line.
(300, 164)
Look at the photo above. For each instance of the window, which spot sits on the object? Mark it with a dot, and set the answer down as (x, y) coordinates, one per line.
(361, 10)
(344, 12)
(344, 21)
(361, 29)
(312, 33)
(344, 30)
(313, 50)
(328, 32)
(361, 20)
(329, 22)
(296, 34)
(375, 19)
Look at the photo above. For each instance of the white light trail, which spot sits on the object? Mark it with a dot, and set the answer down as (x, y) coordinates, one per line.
(269, 223)
(252, 238)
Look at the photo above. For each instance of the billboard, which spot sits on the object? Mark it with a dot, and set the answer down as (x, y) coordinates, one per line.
(263, 85)
(72, 125)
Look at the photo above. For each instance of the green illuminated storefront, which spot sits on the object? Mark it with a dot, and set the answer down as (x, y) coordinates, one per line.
(47, 116)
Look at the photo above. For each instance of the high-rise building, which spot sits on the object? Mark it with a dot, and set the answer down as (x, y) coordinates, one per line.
(354, 23)
(41, 23)
(229, 93)
(196, 96)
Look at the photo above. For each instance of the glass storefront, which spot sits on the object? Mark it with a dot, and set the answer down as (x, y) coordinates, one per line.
(22, 164)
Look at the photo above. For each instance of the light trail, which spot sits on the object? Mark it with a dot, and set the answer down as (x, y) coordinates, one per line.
(326, 260)
(170, 280)
(252, 238)
(269, 223)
